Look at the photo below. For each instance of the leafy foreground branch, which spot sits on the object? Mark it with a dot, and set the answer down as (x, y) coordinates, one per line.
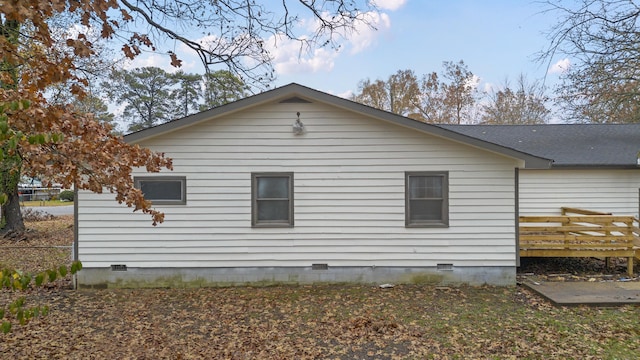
(17, 280)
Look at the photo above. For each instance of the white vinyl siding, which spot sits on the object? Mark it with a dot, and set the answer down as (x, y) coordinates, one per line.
(544, 192)
(349, 197)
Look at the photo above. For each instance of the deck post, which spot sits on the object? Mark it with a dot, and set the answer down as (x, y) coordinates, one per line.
(565, 222)
(630, 244)
(607, 260)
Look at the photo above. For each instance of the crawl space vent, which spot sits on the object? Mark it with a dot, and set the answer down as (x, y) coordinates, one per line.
(445, 267)
(319, 267)
(118, 267)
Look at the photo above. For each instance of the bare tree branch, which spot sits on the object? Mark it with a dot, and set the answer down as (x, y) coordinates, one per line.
(600, 37)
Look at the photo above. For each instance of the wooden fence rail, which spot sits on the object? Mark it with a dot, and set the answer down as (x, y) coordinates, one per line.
(588, 234)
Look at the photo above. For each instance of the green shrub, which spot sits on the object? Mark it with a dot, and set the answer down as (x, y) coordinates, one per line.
(66, 195)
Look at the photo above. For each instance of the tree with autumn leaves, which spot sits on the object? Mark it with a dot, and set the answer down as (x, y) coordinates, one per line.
(62, 144)
(452, 97)
(52, 141)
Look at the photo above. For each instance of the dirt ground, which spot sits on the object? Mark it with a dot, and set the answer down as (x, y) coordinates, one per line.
(576, 269)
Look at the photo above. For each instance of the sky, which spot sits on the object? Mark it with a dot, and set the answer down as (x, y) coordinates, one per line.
(497, 40)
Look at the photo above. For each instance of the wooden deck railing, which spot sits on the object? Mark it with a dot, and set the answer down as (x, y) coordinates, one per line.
(584, 234)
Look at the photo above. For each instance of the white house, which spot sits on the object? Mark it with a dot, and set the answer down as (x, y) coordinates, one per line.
(296, 186)
(595, 166)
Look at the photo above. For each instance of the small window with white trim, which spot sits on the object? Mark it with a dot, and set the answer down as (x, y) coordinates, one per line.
(163, 190)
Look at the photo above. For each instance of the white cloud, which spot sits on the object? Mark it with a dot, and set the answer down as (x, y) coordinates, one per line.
(364, 35)
(346, 95)
(473, 82)
(143, 61)
(160, 61)
(77, 29)
(391, 5)
(560, 66)
(490, 87)
(290, 57)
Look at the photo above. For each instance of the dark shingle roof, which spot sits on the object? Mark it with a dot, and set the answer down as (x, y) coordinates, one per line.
(570, 145)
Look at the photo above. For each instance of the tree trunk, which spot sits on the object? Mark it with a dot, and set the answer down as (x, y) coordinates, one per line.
(11, 163)
(9, 178)
(11, 215)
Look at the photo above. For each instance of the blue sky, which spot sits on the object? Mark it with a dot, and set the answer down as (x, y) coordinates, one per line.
(497, 39)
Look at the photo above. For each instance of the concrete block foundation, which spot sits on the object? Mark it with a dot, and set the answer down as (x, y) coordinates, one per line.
(212, 277)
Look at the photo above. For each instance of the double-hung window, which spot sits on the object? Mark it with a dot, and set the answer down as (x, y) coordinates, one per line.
(163, 190)
(272, 199)
(427, 199)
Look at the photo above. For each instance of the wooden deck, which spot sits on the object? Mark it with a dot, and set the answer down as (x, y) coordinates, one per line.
(580, 233)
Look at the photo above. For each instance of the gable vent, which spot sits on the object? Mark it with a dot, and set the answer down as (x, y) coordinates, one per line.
(295, 100)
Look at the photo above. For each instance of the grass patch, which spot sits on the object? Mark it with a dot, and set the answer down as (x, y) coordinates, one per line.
(46, 203)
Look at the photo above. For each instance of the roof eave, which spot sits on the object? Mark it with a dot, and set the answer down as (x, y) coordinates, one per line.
(596, 166)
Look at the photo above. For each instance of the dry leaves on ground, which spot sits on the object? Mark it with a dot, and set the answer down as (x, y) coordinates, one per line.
(45, 245)
(319, 322)
(314, 322)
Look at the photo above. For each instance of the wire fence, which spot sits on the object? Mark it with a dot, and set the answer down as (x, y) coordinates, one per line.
(37, 193)
(34, 258)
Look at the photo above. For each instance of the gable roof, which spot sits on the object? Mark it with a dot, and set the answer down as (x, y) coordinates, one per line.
(302, 93)
(569, 145)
